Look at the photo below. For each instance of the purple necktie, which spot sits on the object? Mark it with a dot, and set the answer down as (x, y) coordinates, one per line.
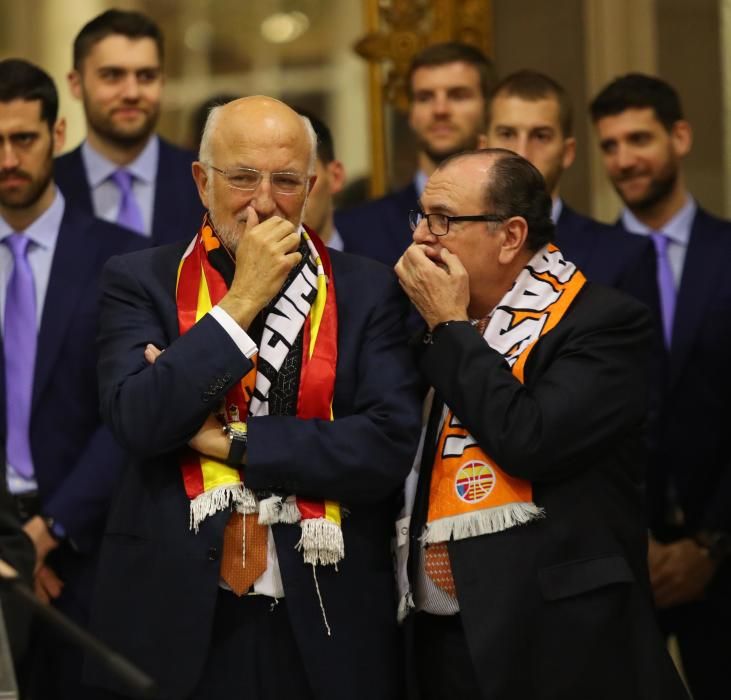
(666, 284)
(19, 340)
(129, 214)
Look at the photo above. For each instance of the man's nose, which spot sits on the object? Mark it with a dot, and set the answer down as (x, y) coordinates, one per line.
(626, 157)
(521, 146)
(422, 234)
(263, 198)
(131, 88)
(8, 156)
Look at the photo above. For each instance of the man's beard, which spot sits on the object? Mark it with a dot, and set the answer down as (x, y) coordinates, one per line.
(659, 189)
(105, 127)
(35, 190)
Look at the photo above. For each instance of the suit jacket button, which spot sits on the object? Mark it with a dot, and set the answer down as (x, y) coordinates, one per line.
(213, 554)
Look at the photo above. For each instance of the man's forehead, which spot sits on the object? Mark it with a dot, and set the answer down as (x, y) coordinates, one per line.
(120, 51)
(460, 182)
(21, 114)
(505, 107)
(454, 73)
(631, 119)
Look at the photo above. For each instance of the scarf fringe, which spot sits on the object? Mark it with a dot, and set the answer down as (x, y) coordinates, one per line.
(321, 542)
(212, 501)
(482, 522)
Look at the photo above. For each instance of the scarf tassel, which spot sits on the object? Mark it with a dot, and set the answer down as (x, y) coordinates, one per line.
(218, 499)
(321, 542)
(482, 522)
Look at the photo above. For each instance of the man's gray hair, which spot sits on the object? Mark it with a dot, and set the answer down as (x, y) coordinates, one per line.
(205, 151)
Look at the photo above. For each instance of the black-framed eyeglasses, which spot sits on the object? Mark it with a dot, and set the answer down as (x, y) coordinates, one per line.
(439, 223)
(248, 179)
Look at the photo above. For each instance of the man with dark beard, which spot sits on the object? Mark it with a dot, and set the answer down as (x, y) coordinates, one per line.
(123, 172)
(644, 139)
(448, 88)
(60, 464)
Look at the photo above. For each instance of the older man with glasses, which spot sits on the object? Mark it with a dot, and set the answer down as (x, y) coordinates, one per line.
(526, 570)
(265, 387)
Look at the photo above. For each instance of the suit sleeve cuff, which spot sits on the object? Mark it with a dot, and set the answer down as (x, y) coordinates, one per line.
(238, 334)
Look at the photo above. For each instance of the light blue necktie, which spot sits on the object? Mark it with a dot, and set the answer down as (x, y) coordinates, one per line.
(665, 283)
(19, 341)
(129, 214)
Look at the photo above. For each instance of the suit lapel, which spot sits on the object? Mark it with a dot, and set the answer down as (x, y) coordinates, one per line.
(71, 177)
(166, 194)
(72, 268)
(700, 271)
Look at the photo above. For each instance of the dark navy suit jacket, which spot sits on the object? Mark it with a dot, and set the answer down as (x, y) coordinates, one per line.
(694, 445)
(76, 459)
(379, 229)
(159, 577)
(609, 256)
(177, 211)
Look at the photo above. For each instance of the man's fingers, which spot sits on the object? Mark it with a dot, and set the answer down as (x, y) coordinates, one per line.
(152, 353)
(252, 218)
(453, 263)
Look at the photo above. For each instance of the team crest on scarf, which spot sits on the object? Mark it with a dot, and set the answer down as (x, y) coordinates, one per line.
(470, 494)
(306, 305)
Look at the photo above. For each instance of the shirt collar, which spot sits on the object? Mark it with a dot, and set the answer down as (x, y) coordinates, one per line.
(43, 232)
(99, 168)
(677, 229)
(556, 209)
(420, 182)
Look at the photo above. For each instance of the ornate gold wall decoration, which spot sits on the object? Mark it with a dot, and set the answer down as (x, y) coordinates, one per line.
(397, 30)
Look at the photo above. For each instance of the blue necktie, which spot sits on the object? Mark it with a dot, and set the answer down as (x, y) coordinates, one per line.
(19, 340)
(129, 214)
(665, 283)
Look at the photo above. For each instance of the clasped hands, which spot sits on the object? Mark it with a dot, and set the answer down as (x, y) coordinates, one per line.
(436, 282)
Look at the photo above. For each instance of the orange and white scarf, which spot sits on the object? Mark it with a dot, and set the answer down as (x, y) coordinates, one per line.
(307, 305)
(470, 494)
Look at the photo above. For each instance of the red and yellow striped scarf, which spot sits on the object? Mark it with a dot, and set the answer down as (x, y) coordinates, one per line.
(470, 494)
(212, 485)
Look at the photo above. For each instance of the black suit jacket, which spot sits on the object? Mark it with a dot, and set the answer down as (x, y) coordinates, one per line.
(379, 229)
(177, 211)
(558, 608)
(76, 459)
(159, 582)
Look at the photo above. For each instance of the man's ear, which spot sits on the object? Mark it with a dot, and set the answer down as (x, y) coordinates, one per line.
(59, 136)
(515, 232)
(681, 135)
(336, 176)
(74, 80)
(569, 152)
(200, 175)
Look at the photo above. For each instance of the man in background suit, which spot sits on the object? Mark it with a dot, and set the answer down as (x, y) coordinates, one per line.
(123, 172)
(330, 174)
(531, 114)
(448, 86)
(214, 614)
(644, 139)
(61, 463)
(527, 555)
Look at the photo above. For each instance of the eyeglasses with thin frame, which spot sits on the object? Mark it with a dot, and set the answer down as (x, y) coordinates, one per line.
(439, 223)
(248, 179)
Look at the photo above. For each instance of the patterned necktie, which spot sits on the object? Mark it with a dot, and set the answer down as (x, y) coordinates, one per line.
(19, 339)
(129, 214)
(244, 556)
(666, 284)
(436, 556)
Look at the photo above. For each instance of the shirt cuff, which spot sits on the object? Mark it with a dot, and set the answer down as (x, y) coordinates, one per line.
(238, 334)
